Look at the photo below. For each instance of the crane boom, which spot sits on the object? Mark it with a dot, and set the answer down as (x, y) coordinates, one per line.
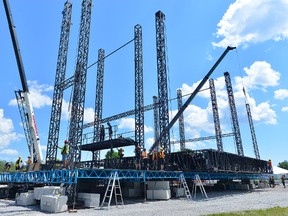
(191, 97)
(35, 151)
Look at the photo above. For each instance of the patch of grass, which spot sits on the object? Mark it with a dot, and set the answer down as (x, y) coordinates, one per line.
(262, 212)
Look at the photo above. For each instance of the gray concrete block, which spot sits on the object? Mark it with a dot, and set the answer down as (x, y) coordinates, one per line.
(156, 185)
(51, 203)
(25, 199)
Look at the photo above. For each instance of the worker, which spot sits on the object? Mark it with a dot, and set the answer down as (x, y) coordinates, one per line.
(137, 152)
(102, 133)
(145, 159)
(18, 164)
(28, 162)
(110, 132)
(283, 181)
(7, 167)
(155, 159)
(120, 153)
(161, 158)
(64, 153)
(272, 181)
(269, 166)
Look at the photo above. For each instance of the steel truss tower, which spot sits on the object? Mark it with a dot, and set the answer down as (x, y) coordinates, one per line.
(162, 81)
(235, 123)
(181, 121)
(156, 119)
(218, 133)
(78, 99)
(253, 134)
(54, 128)
(139, 91)
(98, 101)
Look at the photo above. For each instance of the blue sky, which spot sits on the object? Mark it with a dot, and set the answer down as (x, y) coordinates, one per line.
(197, 33)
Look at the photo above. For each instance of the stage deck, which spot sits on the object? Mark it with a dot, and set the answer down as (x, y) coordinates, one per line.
(108, 144)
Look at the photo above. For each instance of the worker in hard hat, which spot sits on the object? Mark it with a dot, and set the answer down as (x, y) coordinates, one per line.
(155, 159)
(144, 156)
(18, 164)
(28, 162)
(137, 152)
(161, 159)
(64, 153)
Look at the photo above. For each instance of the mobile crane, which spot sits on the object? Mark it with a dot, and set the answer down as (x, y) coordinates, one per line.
(23, 96)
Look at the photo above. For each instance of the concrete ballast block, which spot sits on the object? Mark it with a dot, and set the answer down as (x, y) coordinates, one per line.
(25, 199)
(50, 203)
(180, 192)
(158, 194)
(48, 190)
(156, 185)
(90, 199)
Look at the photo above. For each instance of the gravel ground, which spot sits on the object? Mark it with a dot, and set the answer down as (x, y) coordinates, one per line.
(217, 202)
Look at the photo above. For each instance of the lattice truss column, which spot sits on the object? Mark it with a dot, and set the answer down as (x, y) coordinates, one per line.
(139, 92)
(54, 128)
(78, 99)
(181, 121)
(234, 118)
(218, 133)
(253, 134)
(98, 100)
(156, 118)
(162, 82)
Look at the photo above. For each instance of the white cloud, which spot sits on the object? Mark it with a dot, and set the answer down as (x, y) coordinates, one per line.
(127, 123)
(284, 109)
(6, 125)
(281, 94)
(259, 75)
(38, 98)
(7, 134)
(247, 22)
(88, 115)
(9, 152)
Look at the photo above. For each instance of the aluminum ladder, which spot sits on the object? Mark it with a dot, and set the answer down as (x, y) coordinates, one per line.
(198, 183)
(113, 186)
(185, 186)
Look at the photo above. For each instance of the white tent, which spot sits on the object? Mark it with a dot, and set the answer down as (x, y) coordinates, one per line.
(278, 170)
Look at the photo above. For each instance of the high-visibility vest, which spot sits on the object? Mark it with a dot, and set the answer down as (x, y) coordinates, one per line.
(65, 149)
(161, 154)
(155, 156)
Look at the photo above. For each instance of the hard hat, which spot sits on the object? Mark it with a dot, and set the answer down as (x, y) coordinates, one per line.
(161, 148)
(66, 141)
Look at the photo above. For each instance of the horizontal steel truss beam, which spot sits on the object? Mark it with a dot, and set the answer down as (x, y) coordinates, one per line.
(72, 176)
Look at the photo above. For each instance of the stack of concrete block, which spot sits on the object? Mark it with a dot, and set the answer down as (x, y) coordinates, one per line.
(90, 199)
(53, 203)
(25, 199)
(132, 189)
(158, 190)
(48, 190)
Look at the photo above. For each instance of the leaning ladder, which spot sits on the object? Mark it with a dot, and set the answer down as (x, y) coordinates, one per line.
(185, 186)
(198, 183)
(113, 186)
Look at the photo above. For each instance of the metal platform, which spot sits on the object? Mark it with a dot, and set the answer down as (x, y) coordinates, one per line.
(72, 176)
(107, 144)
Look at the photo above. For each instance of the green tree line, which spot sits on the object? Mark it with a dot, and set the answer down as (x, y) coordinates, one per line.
(2, 166)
